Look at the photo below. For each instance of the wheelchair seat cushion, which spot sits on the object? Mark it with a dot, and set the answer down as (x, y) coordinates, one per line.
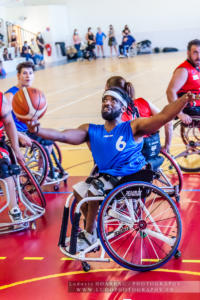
(155, 162)
(143, 175)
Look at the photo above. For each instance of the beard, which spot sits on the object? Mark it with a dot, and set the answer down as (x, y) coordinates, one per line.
(196, 62)
(111, 116)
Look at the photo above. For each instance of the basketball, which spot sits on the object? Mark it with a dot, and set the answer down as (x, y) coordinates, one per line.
(29, 103)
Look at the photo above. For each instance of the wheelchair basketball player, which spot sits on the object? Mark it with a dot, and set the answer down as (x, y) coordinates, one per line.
(7, 171)
(116, 149)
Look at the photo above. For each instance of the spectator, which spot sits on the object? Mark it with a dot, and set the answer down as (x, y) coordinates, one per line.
(26, 52)
(6, 55)
(2, 70)
(112, 42)
(90, 38)
(100, 36)
(35, 52)
(125, 30)
(1, 35)
(77, 41)
(40, 42)
(13, 41)
(127, 42)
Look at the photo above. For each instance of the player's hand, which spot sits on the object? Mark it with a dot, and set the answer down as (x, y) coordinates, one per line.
(25, 141)
(186, 119)
(19, 156)
(33, 126)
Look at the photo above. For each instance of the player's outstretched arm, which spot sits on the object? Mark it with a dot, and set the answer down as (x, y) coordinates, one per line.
(144, 126)
(70, 136)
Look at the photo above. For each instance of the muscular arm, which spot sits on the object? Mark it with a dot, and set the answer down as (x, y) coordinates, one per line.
(9, 98)
(70, 136)
(10, 128)
(144, 126)
(178, 80)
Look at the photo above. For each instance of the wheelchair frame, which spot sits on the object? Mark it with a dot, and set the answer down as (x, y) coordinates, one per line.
(51, 171)
(26, 188)
(139, 216)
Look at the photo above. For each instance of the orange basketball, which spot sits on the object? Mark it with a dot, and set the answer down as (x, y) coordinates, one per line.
(29, 103)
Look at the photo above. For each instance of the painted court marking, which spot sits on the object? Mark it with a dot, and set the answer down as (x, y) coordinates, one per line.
(3, 287)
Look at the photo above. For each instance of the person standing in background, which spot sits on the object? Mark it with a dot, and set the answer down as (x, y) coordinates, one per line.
(100, 36)
(13, 41)
(40, 42)
(77, 41)
(90, 38)
(112, 42)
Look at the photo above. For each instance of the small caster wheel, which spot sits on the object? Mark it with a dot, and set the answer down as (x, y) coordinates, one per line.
(177, 254)
(177, 197)
(33, 225)
(56, 188)
(86, 266)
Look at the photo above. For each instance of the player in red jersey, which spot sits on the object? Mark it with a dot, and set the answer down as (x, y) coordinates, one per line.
(186, 77)
(140, 108)
(7, 124)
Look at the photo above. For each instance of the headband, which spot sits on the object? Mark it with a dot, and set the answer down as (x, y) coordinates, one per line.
(116, 96)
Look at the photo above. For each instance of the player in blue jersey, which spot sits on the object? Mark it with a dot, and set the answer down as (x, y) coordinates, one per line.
(25, 76)
(115, 146)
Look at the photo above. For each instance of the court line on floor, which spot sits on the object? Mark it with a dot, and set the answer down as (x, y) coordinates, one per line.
(72, 102)
(3, 287)
(92, 94)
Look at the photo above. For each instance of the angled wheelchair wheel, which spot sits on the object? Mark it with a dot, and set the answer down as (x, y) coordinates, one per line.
(56, 170)
(187, 152)
(139, 226)
(30, 187)
(170, 178)
(36, 161)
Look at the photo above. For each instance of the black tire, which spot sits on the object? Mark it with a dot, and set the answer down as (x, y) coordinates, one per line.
(170, 178)
(187, 154)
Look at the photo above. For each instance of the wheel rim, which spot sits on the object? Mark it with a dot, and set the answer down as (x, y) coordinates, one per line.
(146, 243)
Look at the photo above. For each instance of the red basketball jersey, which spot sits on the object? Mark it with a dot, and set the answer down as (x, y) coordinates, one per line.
(193, 81)
(143, 109)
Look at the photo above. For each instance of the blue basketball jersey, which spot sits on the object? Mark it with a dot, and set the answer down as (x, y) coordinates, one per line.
(20, 125)
(116, 152)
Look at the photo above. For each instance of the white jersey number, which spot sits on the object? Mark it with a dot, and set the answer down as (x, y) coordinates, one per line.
(120, 145)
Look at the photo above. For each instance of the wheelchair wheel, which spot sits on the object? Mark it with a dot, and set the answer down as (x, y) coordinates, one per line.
(55, 159)
(139, 226)
(187, 155)
(30, 188)
(170, 177)
(36, 161)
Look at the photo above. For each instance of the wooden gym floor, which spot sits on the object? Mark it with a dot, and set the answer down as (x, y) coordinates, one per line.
(32, 267)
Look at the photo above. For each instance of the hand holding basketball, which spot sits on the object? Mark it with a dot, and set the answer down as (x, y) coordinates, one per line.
(29, 103)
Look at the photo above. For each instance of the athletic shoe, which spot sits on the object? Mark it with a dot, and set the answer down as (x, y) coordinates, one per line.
(85, 239)
(15, 214)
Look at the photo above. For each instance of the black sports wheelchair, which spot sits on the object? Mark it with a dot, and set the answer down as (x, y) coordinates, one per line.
(138, 224)
(29, 195)
(187, 151)
(44, 159)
